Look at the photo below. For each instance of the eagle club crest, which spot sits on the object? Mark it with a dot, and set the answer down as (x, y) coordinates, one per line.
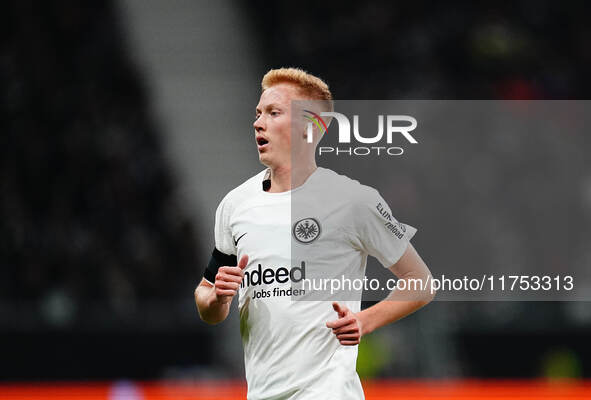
(306, 230)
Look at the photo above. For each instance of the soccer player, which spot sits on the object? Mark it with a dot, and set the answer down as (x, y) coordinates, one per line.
(302, 349)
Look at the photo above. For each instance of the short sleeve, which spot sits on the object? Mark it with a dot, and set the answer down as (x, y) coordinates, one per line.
(223, 233)
(377, 231)
(224, 252)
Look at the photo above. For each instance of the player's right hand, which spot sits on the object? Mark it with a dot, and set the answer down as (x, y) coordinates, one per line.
(228, 280)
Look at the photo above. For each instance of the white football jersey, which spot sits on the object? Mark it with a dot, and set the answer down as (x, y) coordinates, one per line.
(324, 228)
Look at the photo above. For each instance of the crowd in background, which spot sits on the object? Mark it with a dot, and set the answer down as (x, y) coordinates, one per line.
(87, 207)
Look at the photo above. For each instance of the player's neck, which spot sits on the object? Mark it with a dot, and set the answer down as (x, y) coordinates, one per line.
(286, 178)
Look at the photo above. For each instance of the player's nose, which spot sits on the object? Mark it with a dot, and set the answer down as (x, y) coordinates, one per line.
(259, 124)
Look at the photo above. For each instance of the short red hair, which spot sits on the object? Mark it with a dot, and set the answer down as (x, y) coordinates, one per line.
(310, 86)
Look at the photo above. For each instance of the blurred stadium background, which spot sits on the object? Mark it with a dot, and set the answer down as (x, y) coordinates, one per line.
(125, 122)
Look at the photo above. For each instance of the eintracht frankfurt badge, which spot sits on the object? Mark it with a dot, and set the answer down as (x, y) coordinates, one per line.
(306, 230)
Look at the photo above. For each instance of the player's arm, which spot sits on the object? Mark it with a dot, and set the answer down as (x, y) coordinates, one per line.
(400, 303)
(349, 327)
(213, 301)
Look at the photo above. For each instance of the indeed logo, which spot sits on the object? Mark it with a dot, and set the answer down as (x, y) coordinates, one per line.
(260, 275)
(391, 127)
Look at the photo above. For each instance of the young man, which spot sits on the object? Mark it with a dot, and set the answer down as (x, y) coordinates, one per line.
(302, 349)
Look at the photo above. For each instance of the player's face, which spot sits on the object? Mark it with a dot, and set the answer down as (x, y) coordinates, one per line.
(272, 125)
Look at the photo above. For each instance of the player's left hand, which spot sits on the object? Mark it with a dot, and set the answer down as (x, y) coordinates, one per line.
(347, 327)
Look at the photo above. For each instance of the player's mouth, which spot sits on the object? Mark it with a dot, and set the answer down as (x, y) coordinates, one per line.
(261, 143)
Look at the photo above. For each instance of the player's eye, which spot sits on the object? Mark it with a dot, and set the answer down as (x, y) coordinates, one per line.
(274, 113)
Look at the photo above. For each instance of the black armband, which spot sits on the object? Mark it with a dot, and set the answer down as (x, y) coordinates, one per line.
(217, 260)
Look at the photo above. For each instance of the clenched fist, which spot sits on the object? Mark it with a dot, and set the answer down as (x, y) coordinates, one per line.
(347, 328)
(228, 280)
